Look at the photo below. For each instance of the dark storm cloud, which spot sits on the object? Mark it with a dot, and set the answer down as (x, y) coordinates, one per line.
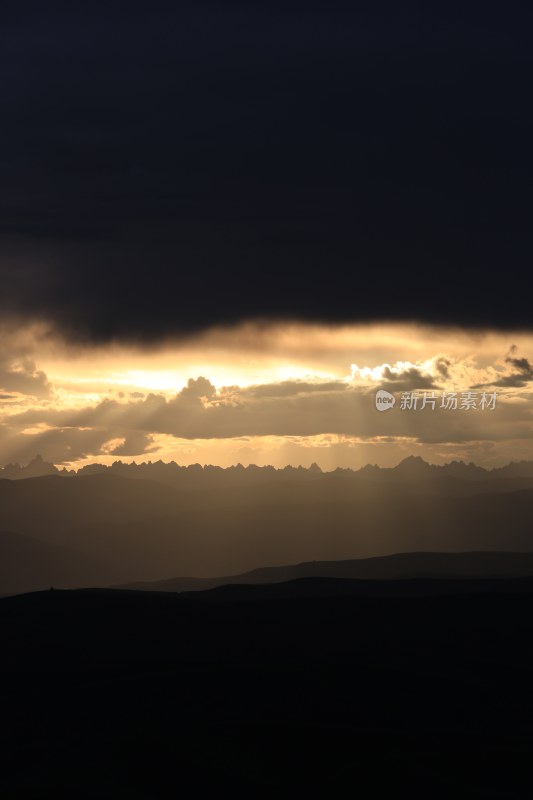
(169, 167)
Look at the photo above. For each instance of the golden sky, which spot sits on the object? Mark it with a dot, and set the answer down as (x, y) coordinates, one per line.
(266, 394)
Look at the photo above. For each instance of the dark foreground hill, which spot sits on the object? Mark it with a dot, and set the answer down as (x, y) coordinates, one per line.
(327, 691)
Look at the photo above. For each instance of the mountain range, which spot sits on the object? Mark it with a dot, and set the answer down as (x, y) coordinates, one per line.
(412, 467)
(146, 523)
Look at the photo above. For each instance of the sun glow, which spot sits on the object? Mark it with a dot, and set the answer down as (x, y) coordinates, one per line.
(276, 394)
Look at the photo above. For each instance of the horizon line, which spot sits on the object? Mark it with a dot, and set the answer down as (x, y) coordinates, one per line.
(314, 467)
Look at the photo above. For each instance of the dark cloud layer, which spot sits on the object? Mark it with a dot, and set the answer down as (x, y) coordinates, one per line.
(173, 166)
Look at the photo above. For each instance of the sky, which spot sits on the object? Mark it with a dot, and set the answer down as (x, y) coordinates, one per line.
(271, 394)
(224, 227)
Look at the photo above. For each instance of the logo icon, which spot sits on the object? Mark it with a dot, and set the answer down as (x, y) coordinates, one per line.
(384, 400)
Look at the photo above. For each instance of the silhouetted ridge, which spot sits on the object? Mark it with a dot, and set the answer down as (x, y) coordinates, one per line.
(411, 468)
(396, 567)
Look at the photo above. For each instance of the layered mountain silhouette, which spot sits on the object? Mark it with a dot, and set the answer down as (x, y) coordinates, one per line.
(397, 567)
(133, 523)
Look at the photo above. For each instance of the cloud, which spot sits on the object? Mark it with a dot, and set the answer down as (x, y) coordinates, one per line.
(197, 390)
(132, 443)
(199, 411)
(523, 375)
(442, 366)
(70, 444)
(292, 388)
(252, 189)
(523, 372)
(19, 374)
(406, 380)
(96, 413)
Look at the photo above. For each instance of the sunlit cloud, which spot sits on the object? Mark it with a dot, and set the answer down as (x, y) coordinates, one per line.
(263, 394)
